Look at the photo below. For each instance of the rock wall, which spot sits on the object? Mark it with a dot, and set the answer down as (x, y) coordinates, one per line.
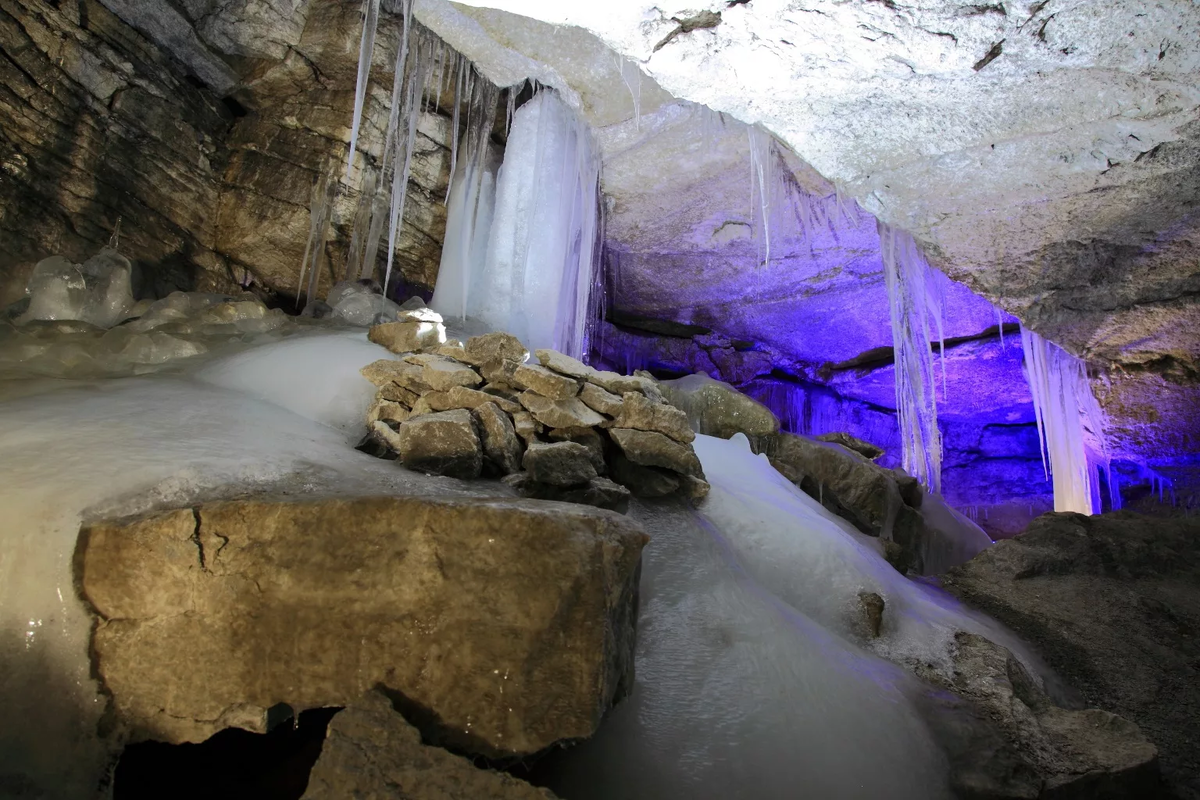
(203, 131)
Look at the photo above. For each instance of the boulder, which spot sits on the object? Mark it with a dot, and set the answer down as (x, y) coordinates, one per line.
(525, 426)
(501, 445)
(387, 411)
(465, 397)
(371, 751)
(601, 400)
(444, 374)
(620, 384)
(717, 409)
(506, 625)
(656, 450)
(408, 336)
(645, 415)
(563, 364)
(559, 463)
(643, 481)
(863, 448)
(388, 371)
(1112, 603)
(491, 348)
(589, 438)
(569, 413)
(396, 393)
(545, 382)
(599, 492)
(1018, 744)
(444, 443)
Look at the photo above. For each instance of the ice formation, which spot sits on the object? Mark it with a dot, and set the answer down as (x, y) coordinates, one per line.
(97, 292)
(914, 303)
(366, 50)
(471, 203)
(631, 74)
(753, 678)
(1070, 426)
(545, 240)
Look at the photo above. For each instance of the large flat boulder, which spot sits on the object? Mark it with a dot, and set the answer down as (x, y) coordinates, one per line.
(506, 625)
(1112, 603)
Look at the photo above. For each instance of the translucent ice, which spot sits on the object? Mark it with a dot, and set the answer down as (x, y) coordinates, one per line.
(361, 303)
(98, 291)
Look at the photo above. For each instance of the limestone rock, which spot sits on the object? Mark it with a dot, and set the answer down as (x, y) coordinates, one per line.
(208, 616)
(559, 463)
(452, 350)
(525, 426)
(1089, 593)
(694, 488)
(717, 409)
(643, 481)
(569, 413)
(589, 438)
(598, 492)
(407, 337)
(385, 371)
(864, 449)
(420, 314)
(499, 371)
(371, 751)
(600, 399)
(444, 443)
(644, 415)
(656, 450)
(545, 382)
(387, 411)
(618, 384)
(501, 445)
(494, 347)
(464, 397)
(444, 374)
(563, 364)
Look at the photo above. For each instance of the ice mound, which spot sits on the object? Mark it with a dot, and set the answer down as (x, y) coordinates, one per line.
(360, 303)
(98, 291)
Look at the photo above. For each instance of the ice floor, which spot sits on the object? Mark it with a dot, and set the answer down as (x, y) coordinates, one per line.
(751, 679)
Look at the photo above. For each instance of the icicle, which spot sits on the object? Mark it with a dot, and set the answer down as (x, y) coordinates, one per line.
(366, 49)
(1066, 412)
(760, 172)
(907, 276)
(320, 214)
(460, 69)
(1000, 324)
(356, 255)
(631, 74)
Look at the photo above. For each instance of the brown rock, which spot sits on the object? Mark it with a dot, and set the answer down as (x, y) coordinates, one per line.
(545, 382)
(645, 415)
(387, 411)
(396, 393)
(464, 397)
(643, 481)
(570, 413)
(484, 613)
(600, 400)
(598, 492)
(656, 450)
(499, 371)
(872, 612)
(444, 374)
(385, 371)
(588, 437)
(407, 337)
(525, 426)
(371, 751)
(501, 445)
(718, 409)
(618, 384)
(444, 443)
(559, 463)
(491, 348)
(863, 448)
(563, 364)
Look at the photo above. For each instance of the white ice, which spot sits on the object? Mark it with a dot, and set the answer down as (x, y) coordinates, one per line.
(97, 292)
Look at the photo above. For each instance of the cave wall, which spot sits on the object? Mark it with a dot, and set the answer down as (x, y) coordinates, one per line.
(204, 131)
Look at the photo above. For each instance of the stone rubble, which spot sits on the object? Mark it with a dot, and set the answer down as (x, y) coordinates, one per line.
(552, 429)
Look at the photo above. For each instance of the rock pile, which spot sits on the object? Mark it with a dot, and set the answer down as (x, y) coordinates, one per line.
(554, 430)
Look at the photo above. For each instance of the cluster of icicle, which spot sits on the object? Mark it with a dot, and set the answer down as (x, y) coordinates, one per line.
(522, 239)
(915, 303)
(774, 192)
(523, 255)
(1070, 426)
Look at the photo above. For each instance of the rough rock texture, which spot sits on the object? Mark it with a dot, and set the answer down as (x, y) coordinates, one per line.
(444, 442)
(203, 128)
(717, 409)
(559, 463)
(1112, 604)
(501, 445)
(208, 616)
(1013, 742)
(569, 413)
(371, 751)
(656, 450)
(598, 492)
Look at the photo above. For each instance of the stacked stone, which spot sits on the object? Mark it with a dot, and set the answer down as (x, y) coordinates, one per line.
(555, 430)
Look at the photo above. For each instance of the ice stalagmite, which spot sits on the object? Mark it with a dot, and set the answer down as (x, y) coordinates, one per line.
(471, 205)
(913, 301)
(1070, 425)
(544, 242)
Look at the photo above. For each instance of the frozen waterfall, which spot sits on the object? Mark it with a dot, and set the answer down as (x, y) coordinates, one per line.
(543, 248)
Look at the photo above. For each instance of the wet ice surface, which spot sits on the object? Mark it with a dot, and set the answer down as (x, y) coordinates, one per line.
(70, 451)
(751, 682)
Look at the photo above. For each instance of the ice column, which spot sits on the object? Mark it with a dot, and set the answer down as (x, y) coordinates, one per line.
(913, 301)
(544, 242)
(366, 48)
(471, 204)
(1070, 425)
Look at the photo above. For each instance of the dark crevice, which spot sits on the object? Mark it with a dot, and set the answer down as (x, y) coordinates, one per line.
(882, 356)
(996, 51)
(231, 765)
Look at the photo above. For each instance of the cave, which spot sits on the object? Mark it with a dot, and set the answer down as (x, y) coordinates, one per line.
(599, 400)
